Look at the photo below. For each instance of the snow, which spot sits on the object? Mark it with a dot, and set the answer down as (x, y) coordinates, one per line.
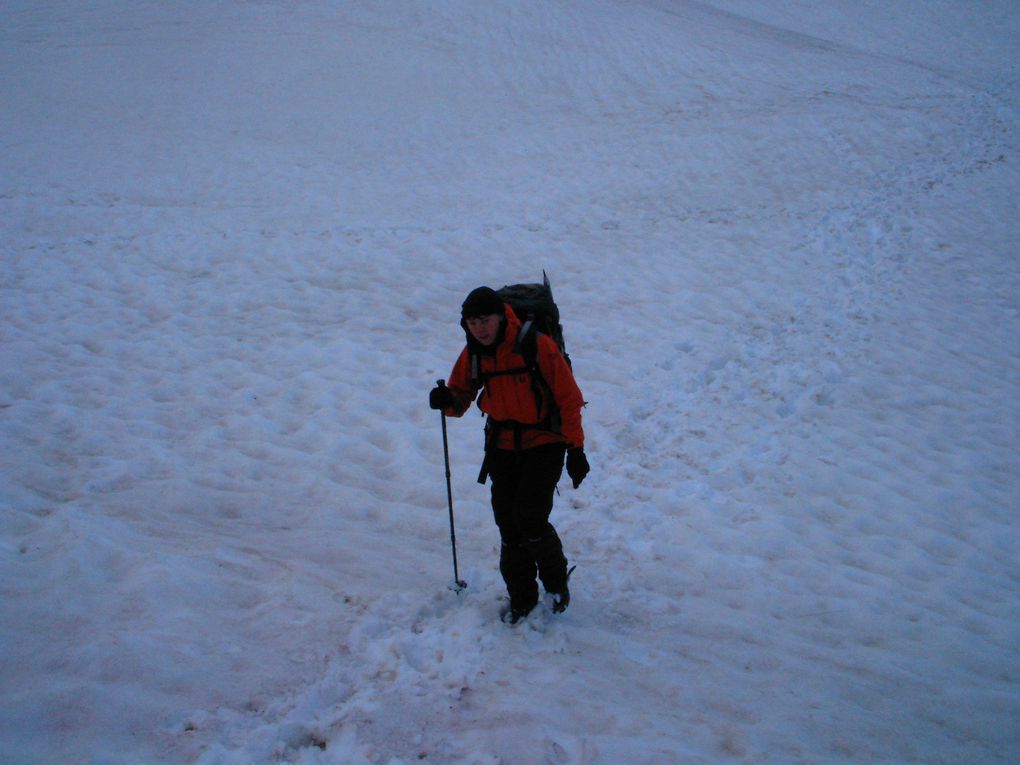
(784, 240)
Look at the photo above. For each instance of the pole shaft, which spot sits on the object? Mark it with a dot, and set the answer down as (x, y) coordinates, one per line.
(449, 498)
(457, 583)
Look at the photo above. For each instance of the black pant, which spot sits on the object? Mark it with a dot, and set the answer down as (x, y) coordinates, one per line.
(523, 484)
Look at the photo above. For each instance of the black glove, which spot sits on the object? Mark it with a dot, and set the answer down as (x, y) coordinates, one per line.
(440, 397)
(577, 465)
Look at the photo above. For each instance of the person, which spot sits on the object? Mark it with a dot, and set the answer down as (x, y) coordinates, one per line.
(531, 425)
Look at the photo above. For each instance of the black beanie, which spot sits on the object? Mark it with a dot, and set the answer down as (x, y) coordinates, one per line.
(481, 302)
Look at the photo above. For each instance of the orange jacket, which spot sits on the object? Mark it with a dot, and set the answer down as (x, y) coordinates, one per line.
(511, 397)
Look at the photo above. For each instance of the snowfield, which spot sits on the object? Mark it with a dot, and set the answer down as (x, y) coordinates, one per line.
(785, 242)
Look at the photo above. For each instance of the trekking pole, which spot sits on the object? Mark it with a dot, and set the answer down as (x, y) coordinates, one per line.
(458, 584)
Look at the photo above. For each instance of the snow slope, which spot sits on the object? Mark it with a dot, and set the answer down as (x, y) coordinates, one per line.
(235, 237)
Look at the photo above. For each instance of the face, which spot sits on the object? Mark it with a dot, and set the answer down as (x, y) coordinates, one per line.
(484, 329)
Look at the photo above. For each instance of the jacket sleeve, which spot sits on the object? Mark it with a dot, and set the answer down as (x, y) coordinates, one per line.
(460, 386)
(560, 378)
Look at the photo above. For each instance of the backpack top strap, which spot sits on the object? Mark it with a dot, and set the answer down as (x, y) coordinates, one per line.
(526, 344)
(525, 341)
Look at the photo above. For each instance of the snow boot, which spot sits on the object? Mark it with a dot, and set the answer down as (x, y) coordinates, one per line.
(519, 571)
(561, 598)
(547, 551)
(516, 611)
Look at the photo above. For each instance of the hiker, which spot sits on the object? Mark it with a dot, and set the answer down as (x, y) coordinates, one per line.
(533, 420)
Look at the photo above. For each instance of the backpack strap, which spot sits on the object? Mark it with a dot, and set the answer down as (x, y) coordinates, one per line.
(523, 334)
(525, 345)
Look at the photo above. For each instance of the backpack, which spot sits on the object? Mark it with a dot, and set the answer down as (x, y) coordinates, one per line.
(535, 308)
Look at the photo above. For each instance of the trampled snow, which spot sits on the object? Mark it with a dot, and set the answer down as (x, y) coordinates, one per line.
(784, 238)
